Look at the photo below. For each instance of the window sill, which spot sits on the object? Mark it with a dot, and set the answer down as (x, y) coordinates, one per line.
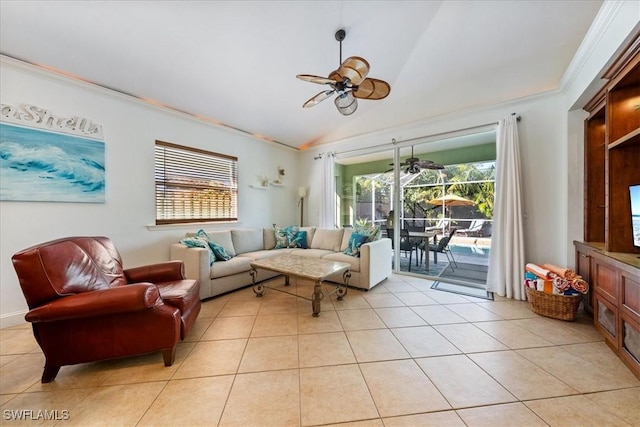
(188, 226)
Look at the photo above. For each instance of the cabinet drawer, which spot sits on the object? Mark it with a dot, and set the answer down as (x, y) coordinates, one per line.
(606, 281)
(605, 318)
(630, 295)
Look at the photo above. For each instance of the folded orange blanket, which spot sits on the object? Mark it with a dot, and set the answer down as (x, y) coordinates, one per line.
(538, 271)
(565, 273)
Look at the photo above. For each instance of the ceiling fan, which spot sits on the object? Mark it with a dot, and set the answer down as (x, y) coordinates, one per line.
(348, 82)
(414, 164)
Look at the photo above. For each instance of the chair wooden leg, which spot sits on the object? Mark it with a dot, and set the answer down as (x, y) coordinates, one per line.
(169, 356)
(49, 373)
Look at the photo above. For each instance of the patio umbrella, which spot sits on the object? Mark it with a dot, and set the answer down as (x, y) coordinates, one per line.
(451, 200)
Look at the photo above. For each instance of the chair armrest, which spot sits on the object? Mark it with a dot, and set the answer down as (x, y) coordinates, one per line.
(156, 273)
(121, 299)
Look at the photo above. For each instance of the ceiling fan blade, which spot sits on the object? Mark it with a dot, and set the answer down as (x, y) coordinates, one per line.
(432, 166)
(316, 79)
(372, 89)
(318, 98)
(355, 69)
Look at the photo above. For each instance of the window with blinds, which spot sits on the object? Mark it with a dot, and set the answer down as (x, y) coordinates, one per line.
(194, 185)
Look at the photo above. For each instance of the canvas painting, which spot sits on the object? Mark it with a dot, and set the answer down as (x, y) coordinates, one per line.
(38, 165)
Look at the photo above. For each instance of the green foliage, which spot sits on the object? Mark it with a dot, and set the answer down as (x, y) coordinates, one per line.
(473, 181)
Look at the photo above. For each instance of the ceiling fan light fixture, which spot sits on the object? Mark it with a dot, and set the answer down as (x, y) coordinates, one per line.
(346, 103)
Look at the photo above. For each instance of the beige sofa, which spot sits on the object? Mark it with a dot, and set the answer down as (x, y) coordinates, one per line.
(245, 245)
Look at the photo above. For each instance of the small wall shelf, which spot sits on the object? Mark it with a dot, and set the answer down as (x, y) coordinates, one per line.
(259, 187)
(277, 185)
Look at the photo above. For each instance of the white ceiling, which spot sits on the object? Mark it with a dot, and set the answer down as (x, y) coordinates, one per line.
(235, 62)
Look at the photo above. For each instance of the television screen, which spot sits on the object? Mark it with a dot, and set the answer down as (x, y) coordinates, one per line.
(634, 192)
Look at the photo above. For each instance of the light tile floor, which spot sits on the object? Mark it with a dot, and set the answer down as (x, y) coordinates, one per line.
(401, 354)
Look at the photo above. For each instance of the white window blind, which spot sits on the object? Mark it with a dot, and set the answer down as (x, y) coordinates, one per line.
(194, 185)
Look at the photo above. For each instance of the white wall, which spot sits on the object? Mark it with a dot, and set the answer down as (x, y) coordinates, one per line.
(130, 130)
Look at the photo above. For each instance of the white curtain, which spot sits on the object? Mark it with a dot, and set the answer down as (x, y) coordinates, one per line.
(506, 260)
(327, 202)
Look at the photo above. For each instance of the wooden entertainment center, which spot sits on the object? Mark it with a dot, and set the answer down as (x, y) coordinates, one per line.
(607, 258)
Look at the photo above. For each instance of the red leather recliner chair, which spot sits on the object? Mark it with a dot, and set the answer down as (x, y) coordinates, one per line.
(85, 307)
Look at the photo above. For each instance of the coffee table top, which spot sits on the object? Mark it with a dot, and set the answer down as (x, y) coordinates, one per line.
(301, 266)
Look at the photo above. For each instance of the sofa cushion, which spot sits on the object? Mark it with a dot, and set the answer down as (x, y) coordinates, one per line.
(233, 266)
(310, 233)
(265, 253)
(353, 261)
(223, 238)
(311, 253)
(346, 235)
(327, 239)
(269, 237)
(247, 240)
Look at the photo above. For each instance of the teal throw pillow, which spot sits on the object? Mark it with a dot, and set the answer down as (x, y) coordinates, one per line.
(355, 241)
(199, 242)
(299, 240)
(219, 252)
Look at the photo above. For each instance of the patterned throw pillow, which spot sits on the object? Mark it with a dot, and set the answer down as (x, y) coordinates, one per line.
(371, 231)
(355, 241)
(199, 242)
(284, 235)
(299, 240)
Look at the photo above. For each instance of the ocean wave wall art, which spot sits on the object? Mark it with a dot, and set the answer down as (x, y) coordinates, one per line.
(36, 165)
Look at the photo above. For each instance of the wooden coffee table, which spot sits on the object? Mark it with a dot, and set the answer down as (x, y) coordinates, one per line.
(317, 270)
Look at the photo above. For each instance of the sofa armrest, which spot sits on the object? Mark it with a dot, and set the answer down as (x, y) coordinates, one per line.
(156, 273)
(195, 262)
(375, 262)
(121, 299)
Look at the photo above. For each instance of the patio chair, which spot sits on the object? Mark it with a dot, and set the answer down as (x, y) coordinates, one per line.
(442, 225)
(406, 244)
(443, 247)
(475, 228)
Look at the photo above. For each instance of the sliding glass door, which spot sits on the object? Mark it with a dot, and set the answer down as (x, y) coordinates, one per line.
(439, 219)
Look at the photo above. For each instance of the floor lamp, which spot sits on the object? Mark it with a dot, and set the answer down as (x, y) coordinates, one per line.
(302, 191)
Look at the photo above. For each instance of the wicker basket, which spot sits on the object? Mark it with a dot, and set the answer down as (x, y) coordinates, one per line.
(562, 307)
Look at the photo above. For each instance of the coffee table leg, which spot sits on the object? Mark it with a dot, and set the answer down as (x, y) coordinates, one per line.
(342, 289)
(316, 298)
(259, 288)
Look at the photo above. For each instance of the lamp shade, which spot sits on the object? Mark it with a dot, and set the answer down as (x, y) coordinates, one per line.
(302, 191)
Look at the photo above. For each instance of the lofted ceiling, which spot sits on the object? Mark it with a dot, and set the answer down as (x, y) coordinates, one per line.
(235, 62)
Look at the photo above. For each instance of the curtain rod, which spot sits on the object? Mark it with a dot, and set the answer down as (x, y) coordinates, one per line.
(394, 142)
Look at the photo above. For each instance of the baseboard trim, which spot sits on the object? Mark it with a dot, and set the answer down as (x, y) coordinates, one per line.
(12, 319)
